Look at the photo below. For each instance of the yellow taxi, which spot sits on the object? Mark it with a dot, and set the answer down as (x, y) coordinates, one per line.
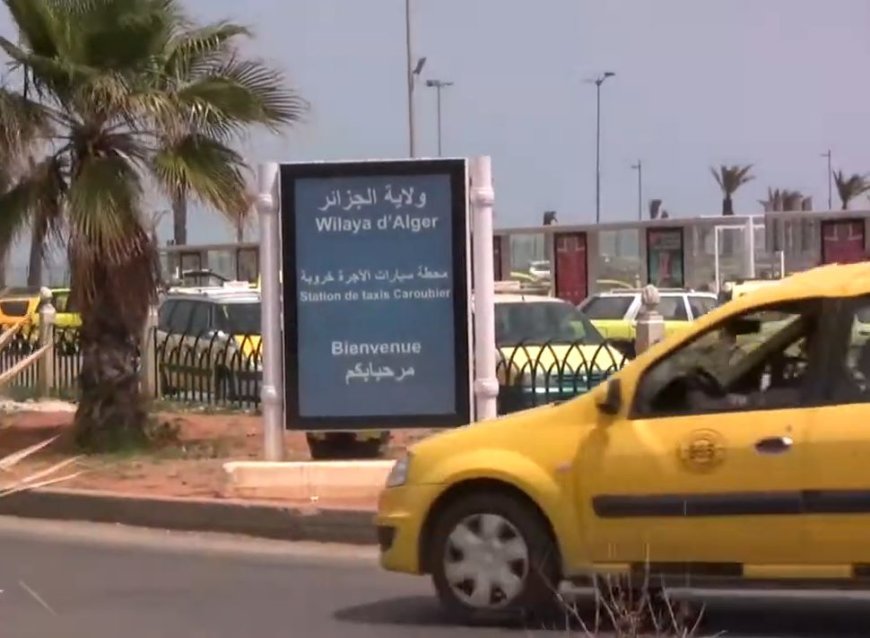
(26, 302)
(700, 460)
(614, 312)
(547, 350)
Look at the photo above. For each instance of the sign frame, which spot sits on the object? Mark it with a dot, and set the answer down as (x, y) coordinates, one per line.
(457, 170)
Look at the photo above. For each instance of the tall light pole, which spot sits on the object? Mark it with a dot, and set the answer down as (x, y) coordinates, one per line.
(412, 71)
(438, 85)
(601, 79)
(639, 168)
(830, 179)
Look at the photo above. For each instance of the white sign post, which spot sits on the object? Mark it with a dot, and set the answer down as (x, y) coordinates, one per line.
(272, 352)
(482, 199)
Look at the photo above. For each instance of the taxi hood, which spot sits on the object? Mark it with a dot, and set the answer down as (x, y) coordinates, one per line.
(515, 431)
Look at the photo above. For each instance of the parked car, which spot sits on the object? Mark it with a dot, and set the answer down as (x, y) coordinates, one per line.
(697, 462)
(548, 351)
(615, 312)
(19, 303)
(208, 342)
(739, 287)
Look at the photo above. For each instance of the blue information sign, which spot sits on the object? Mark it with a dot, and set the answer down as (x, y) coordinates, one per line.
(376, 294)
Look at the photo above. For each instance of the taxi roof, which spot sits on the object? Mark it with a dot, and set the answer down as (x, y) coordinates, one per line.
(831, 280)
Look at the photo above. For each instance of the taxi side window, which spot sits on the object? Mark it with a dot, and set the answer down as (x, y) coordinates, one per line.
(757, 360)
(199, 319)
(164, 315)
(700, 306)
(850, 376)
(179, 320)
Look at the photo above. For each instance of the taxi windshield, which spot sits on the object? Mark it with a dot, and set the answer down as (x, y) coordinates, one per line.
(542, 322)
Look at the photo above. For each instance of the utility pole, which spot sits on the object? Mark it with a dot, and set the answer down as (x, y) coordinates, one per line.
(412, 71)
(830, 180)
(601, 79)
(639, 168)
(438, 85)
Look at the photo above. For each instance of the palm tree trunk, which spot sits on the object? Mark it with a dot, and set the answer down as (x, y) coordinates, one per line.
(179, 219)
(37, 253)
(727, 206)
(111, 413)
(4, 262)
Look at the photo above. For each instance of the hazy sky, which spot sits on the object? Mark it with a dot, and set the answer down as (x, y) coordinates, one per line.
(774, 83)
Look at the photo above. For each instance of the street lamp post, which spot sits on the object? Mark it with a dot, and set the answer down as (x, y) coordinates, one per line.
(412, 71)
(639, 168)
(438, 85)
(830, 179)
(601, 79)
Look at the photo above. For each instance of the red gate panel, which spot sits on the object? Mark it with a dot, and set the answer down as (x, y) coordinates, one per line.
(843, 241)
(570, 266)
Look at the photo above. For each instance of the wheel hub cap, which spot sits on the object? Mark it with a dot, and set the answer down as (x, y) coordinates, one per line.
(486, 561)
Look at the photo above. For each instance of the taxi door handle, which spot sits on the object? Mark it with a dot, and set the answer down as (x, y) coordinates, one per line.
(774, 445)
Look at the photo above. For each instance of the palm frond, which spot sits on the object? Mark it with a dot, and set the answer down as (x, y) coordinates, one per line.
(37, 25)
(188, 52)
(238, 93)
(717, 175)
(23, 124)
(851, 186)
(204, 168)
(731, 178)
(39, 192)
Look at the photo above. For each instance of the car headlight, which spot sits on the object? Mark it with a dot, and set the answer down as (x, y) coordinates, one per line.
(399, 474)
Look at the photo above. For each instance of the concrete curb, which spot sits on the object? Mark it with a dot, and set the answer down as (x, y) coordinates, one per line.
(200, 515)
(308, 481)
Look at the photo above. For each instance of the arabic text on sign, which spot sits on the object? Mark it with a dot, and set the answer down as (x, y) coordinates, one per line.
(355, 200)
(365, 275)
(370, 372)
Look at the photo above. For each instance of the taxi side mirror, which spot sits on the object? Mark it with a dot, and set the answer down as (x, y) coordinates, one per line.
(610, 400)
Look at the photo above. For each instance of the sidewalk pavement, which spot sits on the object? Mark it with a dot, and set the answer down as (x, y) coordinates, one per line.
(349, 522)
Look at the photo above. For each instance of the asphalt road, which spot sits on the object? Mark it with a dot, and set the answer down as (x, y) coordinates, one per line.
(75, 580)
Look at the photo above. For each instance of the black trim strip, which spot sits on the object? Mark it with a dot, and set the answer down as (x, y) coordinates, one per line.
(861, 570)
(732, 504)
(718, 570)
(679, 505)
(837, 501)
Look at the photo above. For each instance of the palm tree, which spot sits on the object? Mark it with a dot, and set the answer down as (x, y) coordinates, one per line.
(126, 92)
(850, 187)
(782, 200)
(731, 178)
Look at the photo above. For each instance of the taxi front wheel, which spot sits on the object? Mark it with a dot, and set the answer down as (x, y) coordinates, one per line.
(494, 559)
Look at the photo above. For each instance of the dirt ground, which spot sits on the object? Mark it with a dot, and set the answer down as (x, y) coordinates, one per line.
(191, 467)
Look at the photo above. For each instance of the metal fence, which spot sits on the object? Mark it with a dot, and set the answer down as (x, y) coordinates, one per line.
(532, 375)
(222, 370)
(214, 368)
(64, 360)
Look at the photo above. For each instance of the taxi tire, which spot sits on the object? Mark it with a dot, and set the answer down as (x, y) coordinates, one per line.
(539, 599)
